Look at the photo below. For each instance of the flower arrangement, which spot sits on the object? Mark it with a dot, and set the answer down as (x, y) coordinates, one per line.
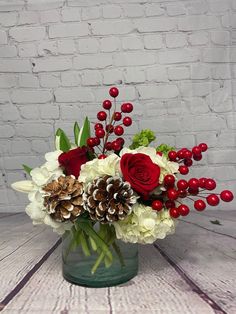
(132, 194)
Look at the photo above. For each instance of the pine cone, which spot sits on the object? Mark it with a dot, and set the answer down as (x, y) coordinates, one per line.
(108, 199)
(63, 198)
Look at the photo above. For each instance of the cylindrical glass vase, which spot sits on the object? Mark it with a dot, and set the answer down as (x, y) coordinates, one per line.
(84, 266)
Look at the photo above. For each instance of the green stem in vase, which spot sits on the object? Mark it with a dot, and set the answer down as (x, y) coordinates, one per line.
(119, 254)
(84, 244)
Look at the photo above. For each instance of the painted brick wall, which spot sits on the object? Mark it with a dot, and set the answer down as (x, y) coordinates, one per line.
(175, 60)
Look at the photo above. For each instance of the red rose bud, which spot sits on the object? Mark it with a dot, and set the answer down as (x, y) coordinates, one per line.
(142, 174)
(72, 160)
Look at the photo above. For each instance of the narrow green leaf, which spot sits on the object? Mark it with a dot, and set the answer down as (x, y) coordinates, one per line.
(76, 132)
(216, 222)
(27, 169)
(84, 133)
(64, 143)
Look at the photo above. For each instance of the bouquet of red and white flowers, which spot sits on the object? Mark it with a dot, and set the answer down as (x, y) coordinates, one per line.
(134, 193)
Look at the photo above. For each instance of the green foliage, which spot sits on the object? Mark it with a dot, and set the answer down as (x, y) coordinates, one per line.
(84, 133)
(76, 132)
(144, 138)
(216, 222)
(63, 141)
(27, 169)
(164, 149)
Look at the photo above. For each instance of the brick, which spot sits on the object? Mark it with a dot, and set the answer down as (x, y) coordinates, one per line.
(176, 107)
(175, 9)
(134, 58)
(228, 20)
(8, 19)
(49, 111)
(4, 96)
(202, 122)
(98, 61)
(51, 16)
(134, 75)
(133, 10)
(162, 124)
(34, 130)
(91, 77)
(222, 71)
(70, 111)
(197, 7)
(27, 50)
(73, 94)
(159, 92)
(29, 112)
(155, 109)
(66, 46)
(40, 146)
(46, 48)
(153, 41)
(154, 10)
(175, 40)
(13, 6)
(68, 30)
(28, 80)
(27, 33)
(178, 73)
(191, 89)
(216, 55)
(52, 64)
(91, 13)
(157, 74)
(182, 139)
(194, 22)
(155, 24)
(8, 80)
(14, 65)
(132, 43)
(220, 38)
(44, 4)
(226, 139)
(197, 105)
(6, 131)
(49, 80)
(231, 121)
(20, 146)
(8, 51)
(88, 45)
(109, 44)
(28, 17)
(179, 56)
(111, 27)
(111, 11)
(220, 100)
(198, 38)
(112, 76)
(212, 138)
(218, 6)
(226, 156)
(200, 72)
(71, 14)
(3, 37)
(31, 96)
(9, 113)
(70, 79)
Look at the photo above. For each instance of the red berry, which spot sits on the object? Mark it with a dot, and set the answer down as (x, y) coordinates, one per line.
(118, 130)
(90, 142)
(116, 146)
(193, 191)
(97, 141)
(114, 92)
(174, 212)
(102, 156)
(169, 180)
(172, 194)
(183, 170)
(196, 150)
(120, 140)
(172, 155)
(188, 154)
(109, 128)
(193, 183)
(182, 184)
(101, 115)
(127, 107)
(100, 133)
(108, 146)
(169, 204)
(202, 182)
(213, 199)
(107, 104)
(197, 157)
(188, 162)
(226, 196)
(203, 147)
(199, 205)
(180, 154)
(98, 126)
(159, 153)
(157, 205)
(210, 184)
(183, 210)
(117, 116)
(182, 193)
(127, 121)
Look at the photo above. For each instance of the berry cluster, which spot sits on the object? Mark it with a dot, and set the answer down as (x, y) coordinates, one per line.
(179, 189)
(114, 124)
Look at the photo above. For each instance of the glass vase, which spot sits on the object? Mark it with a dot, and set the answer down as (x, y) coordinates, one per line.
(85, 264)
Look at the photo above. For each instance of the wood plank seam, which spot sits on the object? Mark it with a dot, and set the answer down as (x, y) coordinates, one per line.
(220, 233)
(194, 287)
(28, 276)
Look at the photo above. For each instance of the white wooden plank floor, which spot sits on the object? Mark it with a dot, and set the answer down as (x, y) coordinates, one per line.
(192, 271)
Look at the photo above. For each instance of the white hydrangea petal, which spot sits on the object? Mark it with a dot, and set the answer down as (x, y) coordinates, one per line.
(25, 186)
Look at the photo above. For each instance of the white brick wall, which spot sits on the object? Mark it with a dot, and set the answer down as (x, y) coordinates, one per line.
(175, 60)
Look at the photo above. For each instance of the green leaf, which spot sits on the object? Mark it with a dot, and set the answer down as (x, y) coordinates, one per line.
(76, 132)
(215, 222)
(64, 143)
(27, 169)
(84, 133)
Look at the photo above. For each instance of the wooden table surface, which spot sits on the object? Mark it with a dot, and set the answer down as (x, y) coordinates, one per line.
(192, 271)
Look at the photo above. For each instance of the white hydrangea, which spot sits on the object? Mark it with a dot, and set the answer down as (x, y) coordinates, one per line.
(144, 225)
(167, 167)
(41, 176)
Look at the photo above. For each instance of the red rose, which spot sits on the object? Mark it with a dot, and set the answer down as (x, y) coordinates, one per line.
(139, 170)
(72, 160)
